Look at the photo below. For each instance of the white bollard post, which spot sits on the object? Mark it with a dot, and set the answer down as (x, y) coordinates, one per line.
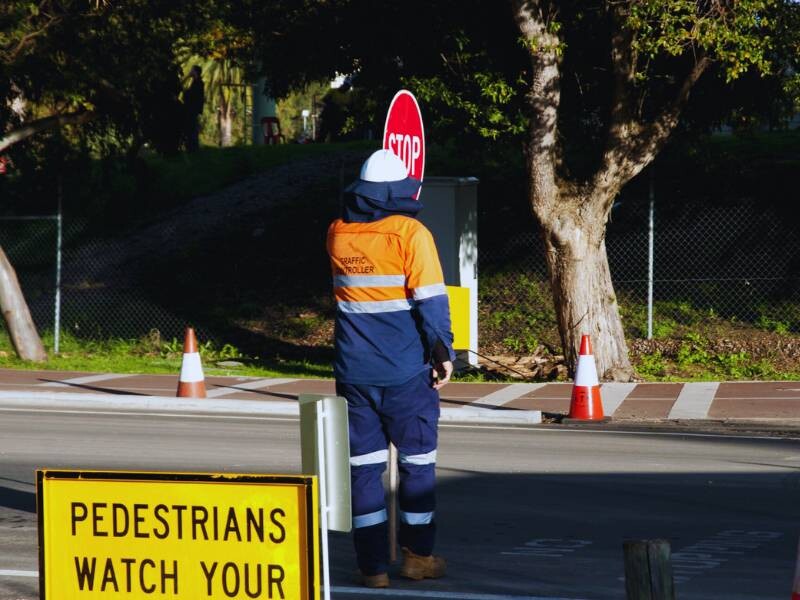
(325, 449)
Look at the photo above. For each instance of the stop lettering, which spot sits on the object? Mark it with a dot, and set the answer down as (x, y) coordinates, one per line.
(404, 133)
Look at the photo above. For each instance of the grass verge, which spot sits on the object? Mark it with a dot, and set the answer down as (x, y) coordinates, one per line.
(154, 355)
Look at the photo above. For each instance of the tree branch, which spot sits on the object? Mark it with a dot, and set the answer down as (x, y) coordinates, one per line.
(34, 127)
(623, 65)
(668, 119)
(627, 155)
(544, 97)
(9, 54)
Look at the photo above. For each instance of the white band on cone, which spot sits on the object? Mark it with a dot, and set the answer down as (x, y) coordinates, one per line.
(191, 369)
(587, 372)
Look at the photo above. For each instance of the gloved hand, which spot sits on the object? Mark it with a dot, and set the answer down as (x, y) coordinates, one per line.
(441, 374)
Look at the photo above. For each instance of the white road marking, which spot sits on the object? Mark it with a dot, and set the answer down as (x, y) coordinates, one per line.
(388, 593)
(250, 385)
(548, 547)
(86, 379)
(710, 553)
(614, 394)
(508, 393)
(757, 398)
(13, 573)
(694, 401)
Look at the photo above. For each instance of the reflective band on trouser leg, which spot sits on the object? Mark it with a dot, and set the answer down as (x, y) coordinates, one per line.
(367, 493)
(417, 506)
(373, 458)
(428, 458)
(370, 519)
(416, 518)
(191, 368)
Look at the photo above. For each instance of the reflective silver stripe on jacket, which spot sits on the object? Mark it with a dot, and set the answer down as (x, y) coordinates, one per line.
(361, 281)
(369, 519)
(414, 518)
(375, 306)
(373, 458)
(418, 459)
(429, 291)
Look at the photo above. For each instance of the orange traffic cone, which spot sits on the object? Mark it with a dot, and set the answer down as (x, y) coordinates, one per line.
(191, 383)
(796, 586)
(586, 404)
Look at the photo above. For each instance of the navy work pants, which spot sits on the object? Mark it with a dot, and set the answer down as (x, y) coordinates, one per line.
(406, 415)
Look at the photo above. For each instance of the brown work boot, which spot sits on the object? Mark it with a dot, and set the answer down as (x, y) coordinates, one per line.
(381, 580)
(421, 567)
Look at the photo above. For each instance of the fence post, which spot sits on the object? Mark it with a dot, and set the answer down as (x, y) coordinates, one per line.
(57, 309)
(648, 570)
(650, 260)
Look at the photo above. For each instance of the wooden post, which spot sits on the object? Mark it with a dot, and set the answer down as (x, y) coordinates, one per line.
(393, 484)
(648, 570)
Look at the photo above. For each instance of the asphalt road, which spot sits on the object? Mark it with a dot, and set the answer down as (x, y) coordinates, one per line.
(523, 512)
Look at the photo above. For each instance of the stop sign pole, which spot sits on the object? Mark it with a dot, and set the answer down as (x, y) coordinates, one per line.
(404, 133)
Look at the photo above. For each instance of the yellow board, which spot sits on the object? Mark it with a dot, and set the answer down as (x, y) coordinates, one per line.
(177, 535)
(459, 316)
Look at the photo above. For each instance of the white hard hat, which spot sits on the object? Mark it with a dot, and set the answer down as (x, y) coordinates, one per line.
(383, 165)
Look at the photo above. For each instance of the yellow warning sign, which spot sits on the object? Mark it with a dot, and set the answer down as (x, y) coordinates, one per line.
(177, 535)
(459, 316)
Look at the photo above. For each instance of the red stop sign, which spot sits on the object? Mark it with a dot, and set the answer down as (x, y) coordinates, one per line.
(404, 133)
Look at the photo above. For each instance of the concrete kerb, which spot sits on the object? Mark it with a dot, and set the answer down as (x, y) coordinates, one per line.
(169, 404)
(135, 403)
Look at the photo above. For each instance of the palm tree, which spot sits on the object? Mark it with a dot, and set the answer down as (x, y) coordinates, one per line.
(223, 77)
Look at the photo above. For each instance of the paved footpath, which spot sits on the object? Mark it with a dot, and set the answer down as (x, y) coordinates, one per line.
(523, 403)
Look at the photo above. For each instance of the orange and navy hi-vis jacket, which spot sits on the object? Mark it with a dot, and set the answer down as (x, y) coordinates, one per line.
(392, 309)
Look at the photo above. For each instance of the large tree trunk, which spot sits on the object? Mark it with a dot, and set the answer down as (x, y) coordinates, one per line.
(584, 297)
(18, 320)
(573, 213)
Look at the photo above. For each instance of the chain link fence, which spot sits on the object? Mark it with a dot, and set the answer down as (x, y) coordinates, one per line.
(95, 295)
(739, 262)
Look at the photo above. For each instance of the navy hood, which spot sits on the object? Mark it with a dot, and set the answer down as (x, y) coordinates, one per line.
(367, 201)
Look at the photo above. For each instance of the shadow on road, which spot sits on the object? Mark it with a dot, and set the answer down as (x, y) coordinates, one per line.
(17, 499)
(521, 534)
